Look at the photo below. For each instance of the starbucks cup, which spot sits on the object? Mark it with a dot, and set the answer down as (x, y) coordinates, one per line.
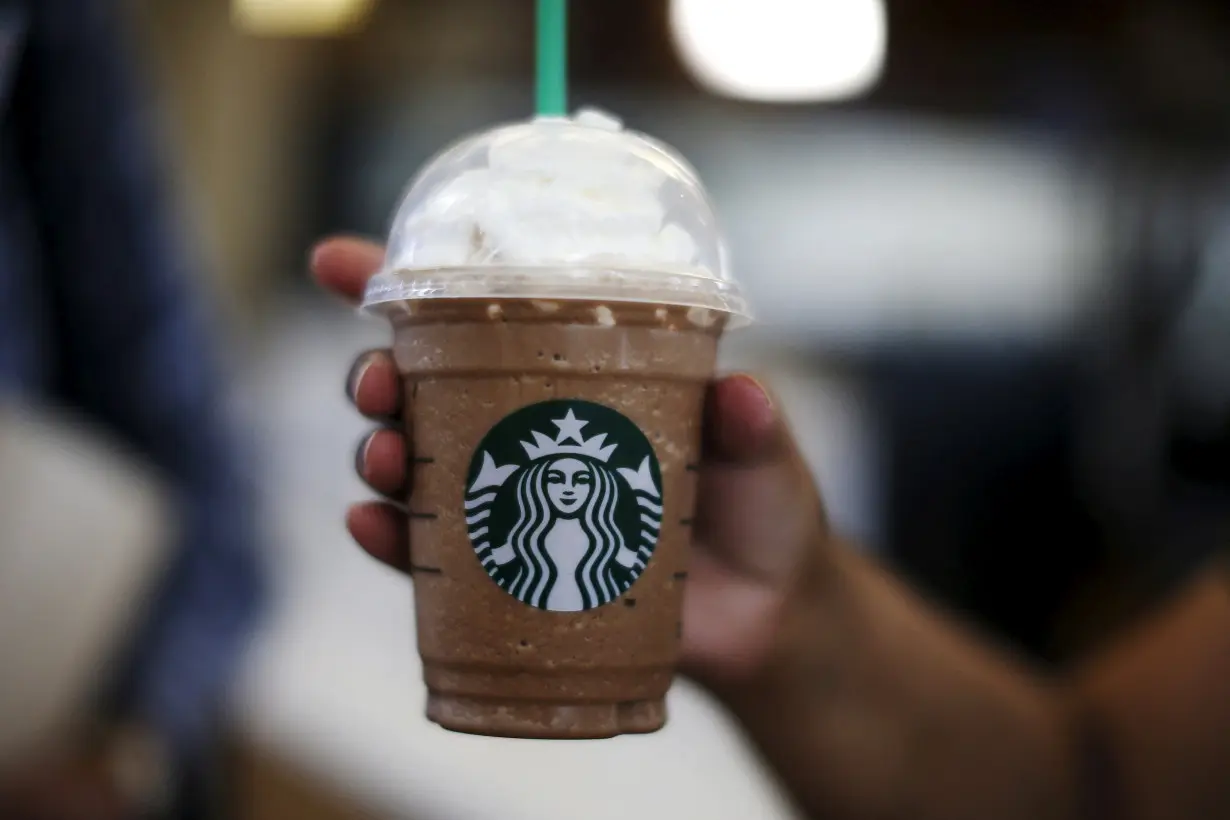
(557, 290)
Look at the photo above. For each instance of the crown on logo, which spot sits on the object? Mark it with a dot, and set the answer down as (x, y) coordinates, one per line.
(569, 430)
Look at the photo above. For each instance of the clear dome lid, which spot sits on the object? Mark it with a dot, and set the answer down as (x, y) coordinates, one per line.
(558, 208)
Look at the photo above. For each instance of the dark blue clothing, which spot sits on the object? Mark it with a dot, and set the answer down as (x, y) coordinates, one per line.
(98, 313)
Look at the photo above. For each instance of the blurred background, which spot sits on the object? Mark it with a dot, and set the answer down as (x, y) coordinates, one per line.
(987, 243)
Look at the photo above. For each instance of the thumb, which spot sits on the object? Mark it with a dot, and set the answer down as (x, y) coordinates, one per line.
(758, 509)
(758, 523)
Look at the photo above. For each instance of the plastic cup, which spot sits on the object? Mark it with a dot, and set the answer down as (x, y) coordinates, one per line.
(557, 290)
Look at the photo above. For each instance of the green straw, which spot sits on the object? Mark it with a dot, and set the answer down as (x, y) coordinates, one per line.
(552, 74)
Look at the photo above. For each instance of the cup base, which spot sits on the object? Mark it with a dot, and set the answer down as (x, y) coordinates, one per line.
(545, 720)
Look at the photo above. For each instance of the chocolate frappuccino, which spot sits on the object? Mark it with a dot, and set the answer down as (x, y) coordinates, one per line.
(554, 402)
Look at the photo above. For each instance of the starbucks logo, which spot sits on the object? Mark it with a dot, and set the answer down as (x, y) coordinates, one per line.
(564, 504)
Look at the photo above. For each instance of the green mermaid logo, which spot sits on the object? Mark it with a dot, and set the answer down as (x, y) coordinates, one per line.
(564, 522)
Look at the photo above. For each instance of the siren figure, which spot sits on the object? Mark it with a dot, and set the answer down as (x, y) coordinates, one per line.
(566, 550)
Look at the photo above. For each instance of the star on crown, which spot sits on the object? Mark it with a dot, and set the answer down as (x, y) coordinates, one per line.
(569, 430)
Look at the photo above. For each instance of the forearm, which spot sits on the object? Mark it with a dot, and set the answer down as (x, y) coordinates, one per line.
(875, 707)
(1160, 704)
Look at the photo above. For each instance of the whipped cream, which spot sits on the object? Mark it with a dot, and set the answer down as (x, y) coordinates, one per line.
(576, 191)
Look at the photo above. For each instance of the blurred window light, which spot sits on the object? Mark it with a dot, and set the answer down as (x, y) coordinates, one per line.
(788, 51)
(300, 18)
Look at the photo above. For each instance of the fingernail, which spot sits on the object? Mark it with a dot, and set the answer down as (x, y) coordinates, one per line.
(360, 455)
(313, 258)
(357, 370)
(769, 404)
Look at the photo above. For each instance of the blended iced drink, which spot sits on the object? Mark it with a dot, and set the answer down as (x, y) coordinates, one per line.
(557, 290)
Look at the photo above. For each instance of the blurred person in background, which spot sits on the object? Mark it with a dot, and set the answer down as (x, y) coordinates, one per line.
(865, 701)
(98, 314)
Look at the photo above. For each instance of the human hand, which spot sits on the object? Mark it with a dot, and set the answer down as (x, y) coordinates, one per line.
(759, 523)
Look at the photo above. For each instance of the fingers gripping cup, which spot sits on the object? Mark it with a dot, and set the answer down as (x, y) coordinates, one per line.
(557, 290)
